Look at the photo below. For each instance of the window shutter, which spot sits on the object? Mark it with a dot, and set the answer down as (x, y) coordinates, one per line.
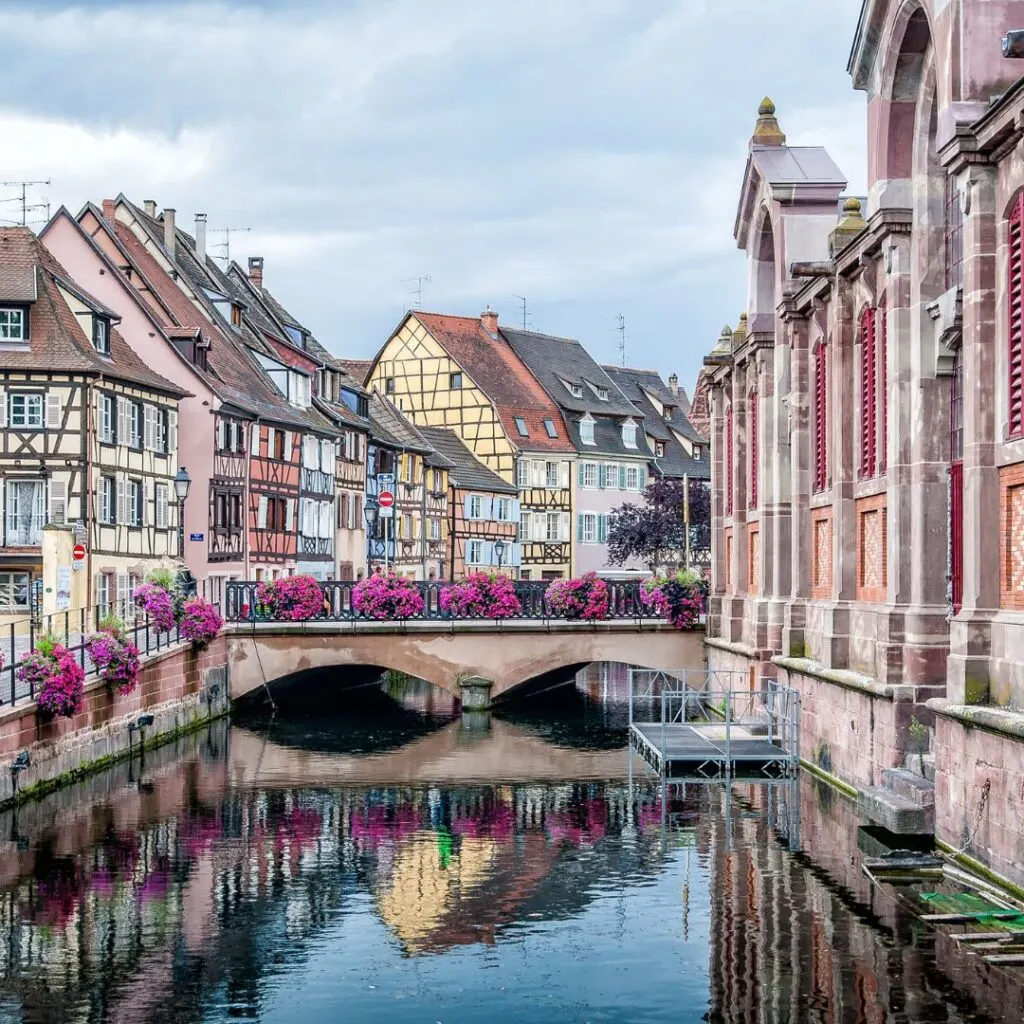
(579, 474)
(148, 427)
(602, 476)
(867, 393)
(287, 446)
(343, 511)
(602, 529)
(53, 409)
(641, 477)
(622, 478)
(261, 512)
(3, 407)
(564, 527)
(143, 493)
(160, 500)
(327, 456)
(58, 501)
(1015, 302)
(752, 420)
(255, 447)
(122, 501)
(289, 514)
(579, 526)
(122, 420)
(121, 594)
(172, 432)
(728, 465)
(820, 417)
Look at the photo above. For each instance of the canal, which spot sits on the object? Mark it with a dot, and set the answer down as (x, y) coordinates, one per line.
(369, 855)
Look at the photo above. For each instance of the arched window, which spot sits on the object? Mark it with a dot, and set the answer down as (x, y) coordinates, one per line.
(820, 417)
(752, 437)
(1015, 316)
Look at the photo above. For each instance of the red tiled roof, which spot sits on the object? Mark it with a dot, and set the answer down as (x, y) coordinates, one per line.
(56, 338)
(503, 377)
(700, 408)
(356, 368)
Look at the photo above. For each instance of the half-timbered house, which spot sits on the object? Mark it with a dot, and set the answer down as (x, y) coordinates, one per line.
(88, 432)
(483, 511)
(460, 373)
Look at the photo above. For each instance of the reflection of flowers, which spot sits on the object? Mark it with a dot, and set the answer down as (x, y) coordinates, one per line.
(495, 821)
(581, 824)
(585, 597)
(377, 824)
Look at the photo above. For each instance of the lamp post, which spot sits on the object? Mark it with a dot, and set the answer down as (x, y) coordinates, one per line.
(499, 550)
(182, 482)
(370, 511)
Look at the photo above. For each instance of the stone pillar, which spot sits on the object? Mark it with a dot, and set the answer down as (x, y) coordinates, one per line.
(475, 693)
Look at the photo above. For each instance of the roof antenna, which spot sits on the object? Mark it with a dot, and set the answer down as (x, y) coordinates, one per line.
(226, 244)
(419, 282)
(526, 324)
(622, 337)
(22, 199)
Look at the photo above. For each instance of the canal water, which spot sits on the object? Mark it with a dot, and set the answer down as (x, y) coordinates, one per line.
(375, 858)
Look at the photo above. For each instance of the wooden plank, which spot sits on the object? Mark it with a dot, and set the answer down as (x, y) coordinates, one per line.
(964, 918)
(1005, 958)
(985, 936)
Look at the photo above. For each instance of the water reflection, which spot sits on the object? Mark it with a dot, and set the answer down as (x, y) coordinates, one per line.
(444, 877)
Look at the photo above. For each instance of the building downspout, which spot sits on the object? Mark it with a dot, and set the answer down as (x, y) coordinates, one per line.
(246, 559)
(87, 492)
(423, 524)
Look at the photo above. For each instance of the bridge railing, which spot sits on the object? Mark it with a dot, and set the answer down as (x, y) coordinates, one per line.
(242, 605)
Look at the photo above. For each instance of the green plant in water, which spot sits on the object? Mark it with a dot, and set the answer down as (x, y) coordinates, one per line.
(919, 734)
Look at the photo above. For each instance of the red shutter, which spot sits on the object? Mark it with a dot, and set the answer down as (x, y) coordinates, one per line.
(820, 417)
(728, 464)
(1016, 331)
(868, 407)
(752, 418)
(883, 388)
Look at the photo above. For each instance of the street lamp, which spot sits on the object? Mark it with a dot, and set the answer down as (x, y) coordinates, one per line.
(499, 550)
(370, 510)
(182, 482)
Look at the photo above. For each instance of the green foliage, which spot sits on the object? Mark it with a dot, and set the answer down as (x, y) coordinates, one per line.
(163, 576)
(45, 645)
(919, 734)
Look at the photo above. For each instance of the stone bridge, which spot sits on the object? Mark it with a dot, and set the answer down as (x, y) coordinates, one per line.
(490, 658)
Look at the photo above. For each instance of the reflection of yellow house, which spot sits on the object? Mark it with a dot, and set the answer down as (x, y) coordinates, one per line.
(422, 890)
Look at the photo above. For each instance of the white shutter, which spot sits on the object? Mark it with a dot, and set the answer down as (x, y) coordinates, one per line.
(144, 517)
(563, 474)
(255, 447)
(261, 512)
(172, 433)
(122, 420)
(287, 446)
(326, 517)
(148, 428)
(537, 473)
(310, 452)
(289, 514)
(538, 525)
(122, 592)
(58, 501)
(122, 501)
(327, 456)
(3, 407)
(308, 517)
(160, 501)
(564, 526)
(53, 409)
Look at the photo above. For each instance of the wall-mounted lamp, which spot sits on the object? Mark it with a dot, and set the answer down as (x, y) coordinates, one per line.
(21, 762)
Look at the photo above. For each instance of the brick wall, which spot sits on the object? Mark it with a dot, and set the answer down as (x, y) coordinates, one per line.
(872, 549)
(821, 552)
(1011, 525)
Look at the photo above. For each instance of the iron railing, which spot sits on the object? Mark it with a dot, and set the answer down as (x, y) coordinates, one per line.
(72, 629)
(625, 602)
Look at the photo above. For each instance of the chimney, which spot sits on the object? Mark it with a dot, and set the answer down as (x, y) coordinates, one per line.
(108, 210)
(489, 321)
(169, 236)
(149, 205)
(673, 384)
(256, 271)
(201, 237)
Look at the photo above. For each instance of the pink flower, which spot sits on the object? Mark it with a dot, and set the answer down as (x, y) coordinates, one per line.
(676, 598)
(116, 659)
(291, 598)
(158, 605)
(200, 622)
(56, 679)
(585, 597)
(481, 596)
(387, 597)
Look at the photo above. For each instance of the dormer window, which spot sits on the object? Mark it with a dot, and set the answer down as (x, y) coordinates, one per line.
(298, 390)
(101, 335)
(669, 410)
(587, 430)
(696, 452)
(659, 449)
(576, 390)
(549, 428)
(521, 426)
(629, 434)
(236, 315)
(13, 324)
(601, 392)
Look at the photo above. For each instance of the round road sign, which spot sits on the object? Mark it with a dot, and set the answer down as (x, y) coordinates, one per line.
(78, 552)
(385, 499)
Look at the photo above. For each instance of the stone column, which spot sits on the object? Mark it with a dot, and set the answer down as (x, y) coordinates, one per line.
(475, 693)
(719, 471)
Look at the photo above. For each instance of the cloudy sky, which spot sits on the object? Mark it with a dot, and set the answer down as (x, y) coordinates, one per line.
(586, 154)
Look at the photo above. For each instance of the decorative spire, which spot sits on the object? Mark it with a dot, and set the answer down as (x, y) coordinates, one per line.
(850, 225)
(724, 343)
(767, 131)
(741, 329)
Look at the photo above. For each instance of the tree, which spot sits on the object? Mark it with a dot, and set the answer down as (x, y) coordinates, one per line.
(654, 531)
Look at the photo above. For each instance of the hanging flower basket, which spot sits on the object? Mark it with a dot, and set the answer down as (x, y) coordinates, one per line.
(481, 595)
(584, 597)
(56, 679)
(200, 622)
(678, 598)
(158, 603)
(115, 657)
(387, 597)
(291, 598)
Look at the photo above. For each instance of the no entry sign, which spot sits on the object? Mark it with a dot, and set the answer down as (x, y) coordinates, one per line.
(386, 499)
(78, 552)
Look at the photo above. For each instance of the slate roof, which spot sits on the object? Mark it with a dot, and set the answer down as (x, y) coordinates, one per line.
(676, 462)
(57, 340)
(467, 470)
(495, 368)
(393, 428)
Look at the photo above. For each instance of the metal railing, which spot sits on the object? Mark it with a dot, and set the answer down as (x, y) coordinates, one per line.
(241, 603)
(72, 629)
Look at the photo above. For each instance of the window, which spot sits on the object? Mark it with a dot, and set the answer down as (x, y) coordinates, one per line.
(587, 474)
(299, 390)
(954, 235)
(659, 449)
(437, 481)
(524, 527)
(608, 476)
(629, 434)
(553, 525)
(632, 478)
(14, 590)
(503, 510)
(586, 528)
(696, 453)
(389, 385)
(135, 498)
(161, 515)
(475, 552)
(521, 426)
(454, 381)
(820, 417)
(12, 324)
(552, 476)
(108, 500)
(101, 335)
(135, 427)
(103, 589)
(523, 473)
(752, 406)
(601, 392)
(25, 411)
(108, 420)
(868, 395)
(549, 427)
(433, 528)
(729, 473)
(407, 527)
(475, 508)
(587, 430)
(576, 390)
(26, 512)
(278, 444)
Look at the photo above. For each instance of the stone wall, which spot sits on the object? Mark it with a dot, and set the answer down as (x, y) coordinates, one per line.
(176, 688)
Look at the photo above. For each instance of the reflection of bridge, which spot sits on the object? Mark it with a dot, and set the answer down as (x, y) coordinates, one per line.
(507, 654)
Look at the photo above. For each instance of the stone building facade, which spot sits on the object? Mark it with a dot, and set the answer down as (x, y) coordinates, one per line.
(868, 430)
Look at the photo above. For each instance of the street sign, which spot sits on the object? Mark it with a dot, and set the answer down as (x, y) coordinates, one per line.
(385, 481)
(386, 501)
(78, 552)
(195, 537)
